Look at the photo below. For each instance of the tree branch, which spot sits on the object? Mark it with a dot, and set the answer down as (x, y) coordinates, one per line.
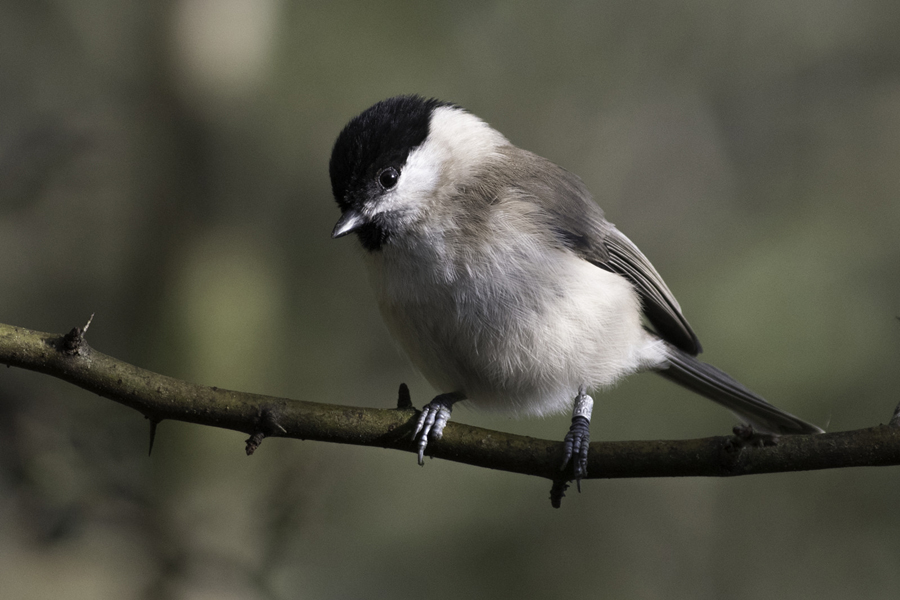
(159, 397)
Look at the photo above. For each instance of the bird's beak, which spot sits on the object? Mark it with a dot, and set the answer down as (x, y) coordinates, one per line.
(349, 222)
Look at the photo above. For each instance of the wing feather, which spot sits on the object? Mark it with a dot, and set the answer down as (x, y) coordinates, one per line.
(578, 223)
(660, 306)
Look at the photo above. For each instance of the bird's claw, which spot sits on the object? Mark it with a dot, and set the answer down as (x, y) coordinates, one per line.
(431, 423)
(576, 445)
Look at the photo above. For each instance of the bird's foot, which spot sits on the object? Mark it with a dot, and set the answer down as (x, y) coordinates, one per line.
(576, 446)
(577, 441)
(432, 421)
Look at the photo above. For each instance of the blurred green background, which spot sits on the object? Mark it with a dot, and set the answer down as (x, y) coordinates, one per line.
(164, 166)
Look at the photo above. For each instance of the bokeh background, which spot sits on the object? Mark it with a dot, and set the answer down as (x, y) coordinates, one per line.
(163, 165)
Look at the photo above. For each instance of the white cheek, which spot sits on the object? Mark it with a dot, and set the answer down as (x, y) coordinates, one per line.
(421, 174)
(458, 143)
(419, 178)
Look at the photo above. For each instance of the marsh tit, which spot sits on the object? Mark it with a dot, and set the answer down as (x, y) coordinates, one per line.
(501, 279)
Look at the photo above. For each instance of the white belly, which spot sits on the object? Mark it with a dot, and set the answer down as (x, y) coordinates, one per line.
(518, 335)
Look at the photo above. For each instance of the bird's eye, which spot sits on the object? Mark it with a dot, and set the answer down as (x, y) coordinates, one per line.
(388, 177)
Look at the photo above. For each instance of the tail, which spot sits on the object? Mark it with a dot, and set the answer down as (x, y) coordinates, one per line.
(718, 386)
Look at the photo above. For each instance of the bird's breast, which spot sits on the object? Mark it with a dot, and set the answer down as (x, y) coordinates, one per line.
(516, 326)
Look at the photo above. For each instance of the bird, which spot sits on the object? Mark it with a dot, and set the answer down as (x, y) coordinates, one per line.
(500, 278)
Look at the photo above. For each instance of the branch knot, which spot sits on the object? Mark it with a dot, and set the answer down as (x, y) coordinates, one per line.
(73, 342)
(267, 425)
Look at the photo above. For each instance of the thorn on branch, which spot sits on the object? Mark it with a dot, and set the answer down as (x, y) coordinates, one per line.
(267, 426)
(895, 419)
(558, 492)
(404, 400)
(153, 424)
(73, 342)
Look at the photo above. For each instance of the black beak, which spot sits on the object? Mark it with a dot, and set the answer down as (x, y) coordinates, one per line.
(349, 222)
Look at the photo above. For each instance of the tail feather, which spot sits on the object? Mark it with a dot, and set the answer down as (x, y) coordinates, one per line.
(718, 386)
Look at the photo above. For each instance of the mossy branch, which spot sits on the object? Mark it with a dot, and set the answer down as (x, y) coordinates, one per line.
(159, 397)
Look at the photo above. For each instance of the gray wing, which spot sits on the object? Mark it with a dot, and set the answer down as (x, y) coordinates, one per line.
(660, 306)
(579, 224)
